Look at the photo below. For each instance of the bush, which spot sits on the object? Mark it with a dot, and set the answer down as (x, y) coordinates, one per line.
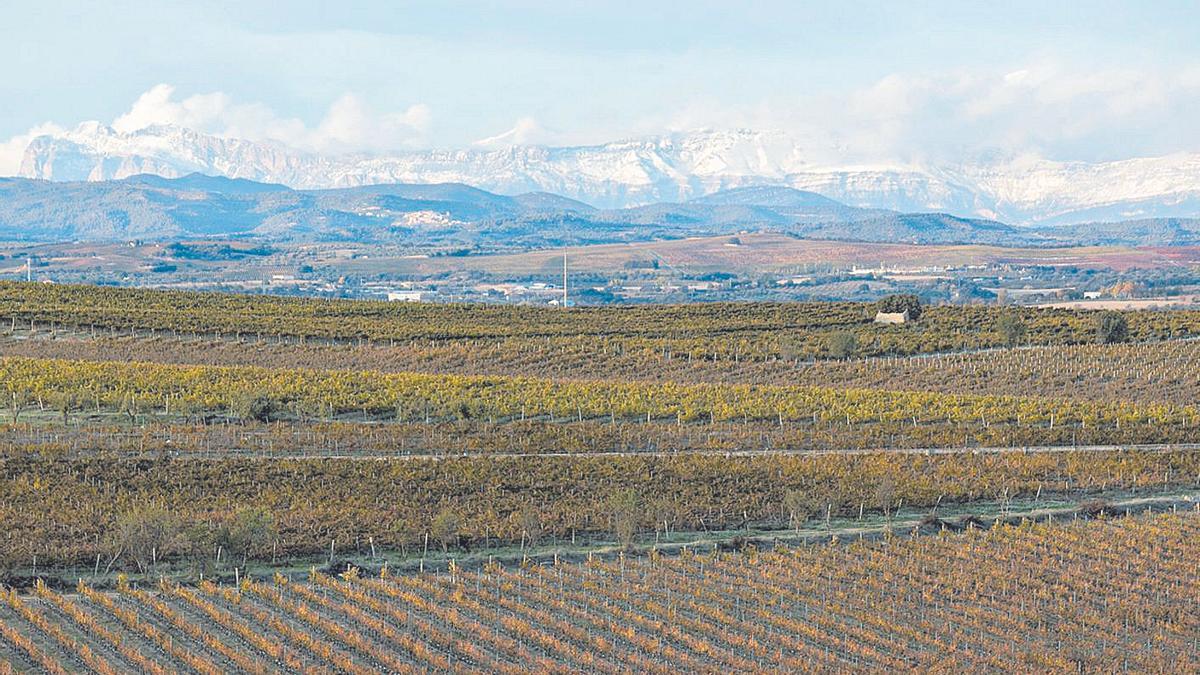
(146, 532)
(249, 531)
(444, 527)
(842, 344)
(258, 408)
(624, 509)
(1112, 327)
(798, 506)
(895, 304)
(1012, 329)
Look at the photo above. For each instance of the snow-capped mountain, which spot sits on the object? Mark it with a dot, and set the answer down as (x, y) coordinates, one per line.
(669, 168)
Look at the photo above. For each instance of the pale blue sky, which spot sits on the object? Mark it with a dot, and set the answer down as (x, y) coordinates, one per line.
(872, 80)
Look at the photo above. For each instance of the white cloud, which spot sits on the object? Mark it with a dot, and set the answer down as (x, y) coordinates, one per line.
(525, 131)
(349, 124)
(13, 150)
(203, 112)
(1041, 108)
(1037, 107)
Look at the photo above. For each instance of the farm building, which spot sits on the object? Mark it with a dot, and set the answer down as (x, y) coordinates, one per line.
(891, 317)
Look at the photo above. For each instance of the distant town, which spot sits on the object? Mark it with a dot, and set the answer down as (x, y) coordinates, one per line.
(654, 272)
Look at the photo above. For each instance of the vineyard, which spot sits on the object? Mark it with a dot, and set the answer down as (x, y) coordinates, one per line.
(74, 512)
(216, 483)
(1161, 371)
(710, 332)
(550, 412)
(1100, 595)
(140, 389)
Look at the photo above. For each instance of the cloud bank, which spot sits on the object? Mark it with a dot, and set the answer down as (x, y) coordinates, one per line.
(1034, 109)
(348, 125)
(1043, 109)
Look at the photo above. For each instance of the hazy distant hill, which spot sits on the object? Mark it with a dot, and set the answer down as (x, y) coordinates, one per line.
(1148, 232)
(154, 208)
(925, 228)
(151, 207)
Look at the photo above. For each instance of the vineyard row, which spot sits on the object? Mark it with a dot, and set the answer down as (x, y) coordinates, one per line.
(1103, 595)
(133, 513)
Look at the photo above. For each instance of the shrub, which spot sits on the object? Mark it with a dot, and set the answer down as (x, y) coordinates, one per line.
(444, 528)
(624, 509)
(842, 344)
(1012, 329)
(146, 532)
(258, 408)
(1112, 327)
(895, 304)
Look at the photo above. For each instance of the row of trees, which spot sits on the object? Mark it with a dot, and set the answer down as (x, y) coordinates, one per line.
(148, 532)
(1110, 328)
(72, 511)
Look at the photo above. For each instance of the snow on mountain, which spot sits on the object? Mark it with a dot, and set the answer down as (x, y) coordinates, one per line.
(1048, 192)
(671, 168)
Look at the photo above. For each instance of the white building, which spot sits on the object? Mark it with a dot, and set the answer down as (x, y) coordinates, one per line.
(409, 296)
(892, 317)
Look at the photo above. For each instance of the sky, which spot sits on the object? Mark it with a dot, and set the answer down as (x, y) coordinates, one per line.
(857, 81)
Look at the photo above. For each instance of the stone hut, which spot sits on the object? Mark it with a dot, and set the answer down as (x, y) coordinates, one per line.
(891, 317)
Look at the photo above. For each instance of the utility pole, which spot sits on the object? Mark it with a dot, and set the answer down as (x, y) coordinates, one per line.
(28, 268)
(564, 279)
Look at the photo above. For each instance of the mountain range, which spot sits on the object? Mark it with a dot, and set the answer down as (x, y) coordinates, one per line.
(453, 216)
(675, 168)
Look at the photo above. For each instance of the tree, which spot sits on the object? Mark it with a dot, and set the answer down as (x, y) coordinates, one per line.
(255, 407)
(248, 532)
(444, 528)
(623, 509)
(797, 505)
(18, 402)
(531, 524)
(1111, 328)
(409, 411)
(147, 532)
(65, 402)
(196, 543)
(885, 491)
(790, 349)
(842, 344)
(1012, 329)
(129, 405)
(1123, 289)
(897, 304)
